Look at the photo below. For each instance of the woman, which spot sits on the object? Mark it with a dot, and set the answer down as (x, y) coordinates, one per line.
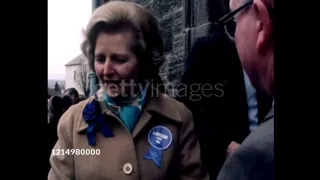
(128, 130)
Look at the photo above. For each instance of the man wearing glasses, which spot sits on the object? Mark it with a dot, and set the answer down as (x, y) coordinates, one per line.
(254, 38)
(222, 121)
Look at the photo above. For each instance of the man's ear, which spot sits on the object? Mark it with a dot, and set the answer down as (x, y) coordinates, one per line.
(264, 26)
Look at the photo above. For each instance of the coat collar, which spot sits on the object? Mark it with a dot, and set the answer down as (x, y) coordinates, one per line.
(270, 115)
(157, 103)
(162, 104)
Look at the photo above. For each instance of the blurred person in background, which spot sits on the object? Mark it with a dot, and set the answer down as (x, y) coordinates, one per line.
(56, 107)
(73, 94)
(55, 111)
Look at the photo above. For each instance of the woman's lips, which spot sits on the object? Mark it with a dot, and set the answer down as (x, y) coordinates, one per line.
(110, 83)
(113, 86)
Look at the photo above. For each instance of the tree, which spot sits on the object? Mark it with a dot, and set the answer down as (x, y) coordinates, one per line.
(57, 88)
(82, 79)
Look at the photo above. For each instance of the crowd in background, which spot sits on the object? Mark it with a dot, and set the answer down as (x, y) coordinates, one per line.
(57, 105)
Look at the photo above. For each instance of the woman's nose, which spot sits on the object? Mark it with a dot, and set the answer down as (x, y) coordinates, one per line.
(108, 68)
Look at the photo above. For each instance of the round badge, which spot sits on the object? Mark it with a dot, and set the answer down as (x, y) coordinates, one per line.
(160, 137)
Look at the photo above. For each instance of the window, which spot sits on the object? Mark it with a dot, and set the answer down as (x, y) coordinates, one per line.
(74, 75)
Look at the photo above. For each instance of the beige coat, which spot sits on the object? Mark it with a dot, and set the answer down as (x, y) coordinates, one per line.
(122, 156)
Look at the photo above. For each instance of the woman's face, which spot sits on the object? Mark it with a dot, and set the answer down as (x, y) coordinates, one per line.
(115, 64)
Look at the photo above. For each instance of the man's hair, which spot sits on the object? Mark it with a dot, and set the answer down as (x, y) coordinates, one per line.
(119, 16)
(71, 92)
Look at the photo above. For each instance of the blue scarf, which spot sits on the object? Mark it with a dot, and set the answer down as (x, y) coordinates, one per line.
(128, 113)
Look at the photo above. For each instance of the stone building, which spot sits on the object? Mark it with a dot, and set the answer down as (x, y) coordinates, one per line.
(76, 74)
(181, 22)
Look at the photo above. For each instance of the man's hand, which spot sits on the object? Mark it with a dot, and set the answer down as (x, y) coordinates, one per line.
(232, 147)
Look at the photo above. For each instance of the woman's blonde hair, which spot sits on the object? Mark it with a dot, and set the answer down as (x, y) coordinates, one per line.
(119, 16)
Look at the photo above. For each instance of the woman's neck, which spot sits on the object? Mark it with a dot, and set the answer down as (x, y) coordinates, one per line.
(120, 100)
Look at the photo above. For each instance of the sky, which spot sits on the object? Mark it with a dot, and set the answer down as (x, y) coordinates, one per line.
(66, 18)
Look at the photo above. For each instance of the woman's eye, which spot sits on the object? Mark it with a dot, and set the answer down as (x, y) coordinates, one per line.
(100, 58)
(120, 60)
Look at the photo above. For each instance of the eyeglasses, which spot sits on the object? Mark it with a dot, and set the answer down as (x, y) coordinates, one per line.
(228, 22)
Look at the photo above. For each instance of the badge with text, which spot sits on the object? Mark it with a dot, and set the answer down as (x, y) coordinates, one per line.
(159, 138)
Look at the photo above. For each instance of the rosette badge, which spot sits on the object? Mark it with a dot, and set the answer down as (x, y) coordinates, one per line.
(93, 116)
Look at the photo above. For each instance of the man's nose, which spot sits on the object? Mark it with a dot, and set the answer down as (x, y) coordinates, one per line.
(108, 68)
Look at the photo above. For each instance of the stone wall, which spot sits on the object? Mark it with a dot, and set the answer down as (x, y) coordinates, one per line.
(181, 22)
(170, 14)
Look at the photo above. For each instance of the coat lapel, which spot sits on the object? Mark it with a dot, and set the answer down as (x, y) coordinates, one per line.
(159, 104)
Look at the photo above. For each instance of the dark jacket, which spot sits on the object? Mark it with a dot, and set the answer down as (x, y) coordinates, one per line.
(223, 116)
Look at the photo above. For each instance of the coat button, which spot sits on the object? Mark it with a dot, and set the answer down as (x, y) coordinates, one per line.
(127, 168)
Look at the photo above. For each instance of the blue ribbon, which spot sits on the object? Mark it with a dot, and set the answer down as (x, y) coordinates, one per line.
(160, 138)
(155, 155)
(96, 122)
